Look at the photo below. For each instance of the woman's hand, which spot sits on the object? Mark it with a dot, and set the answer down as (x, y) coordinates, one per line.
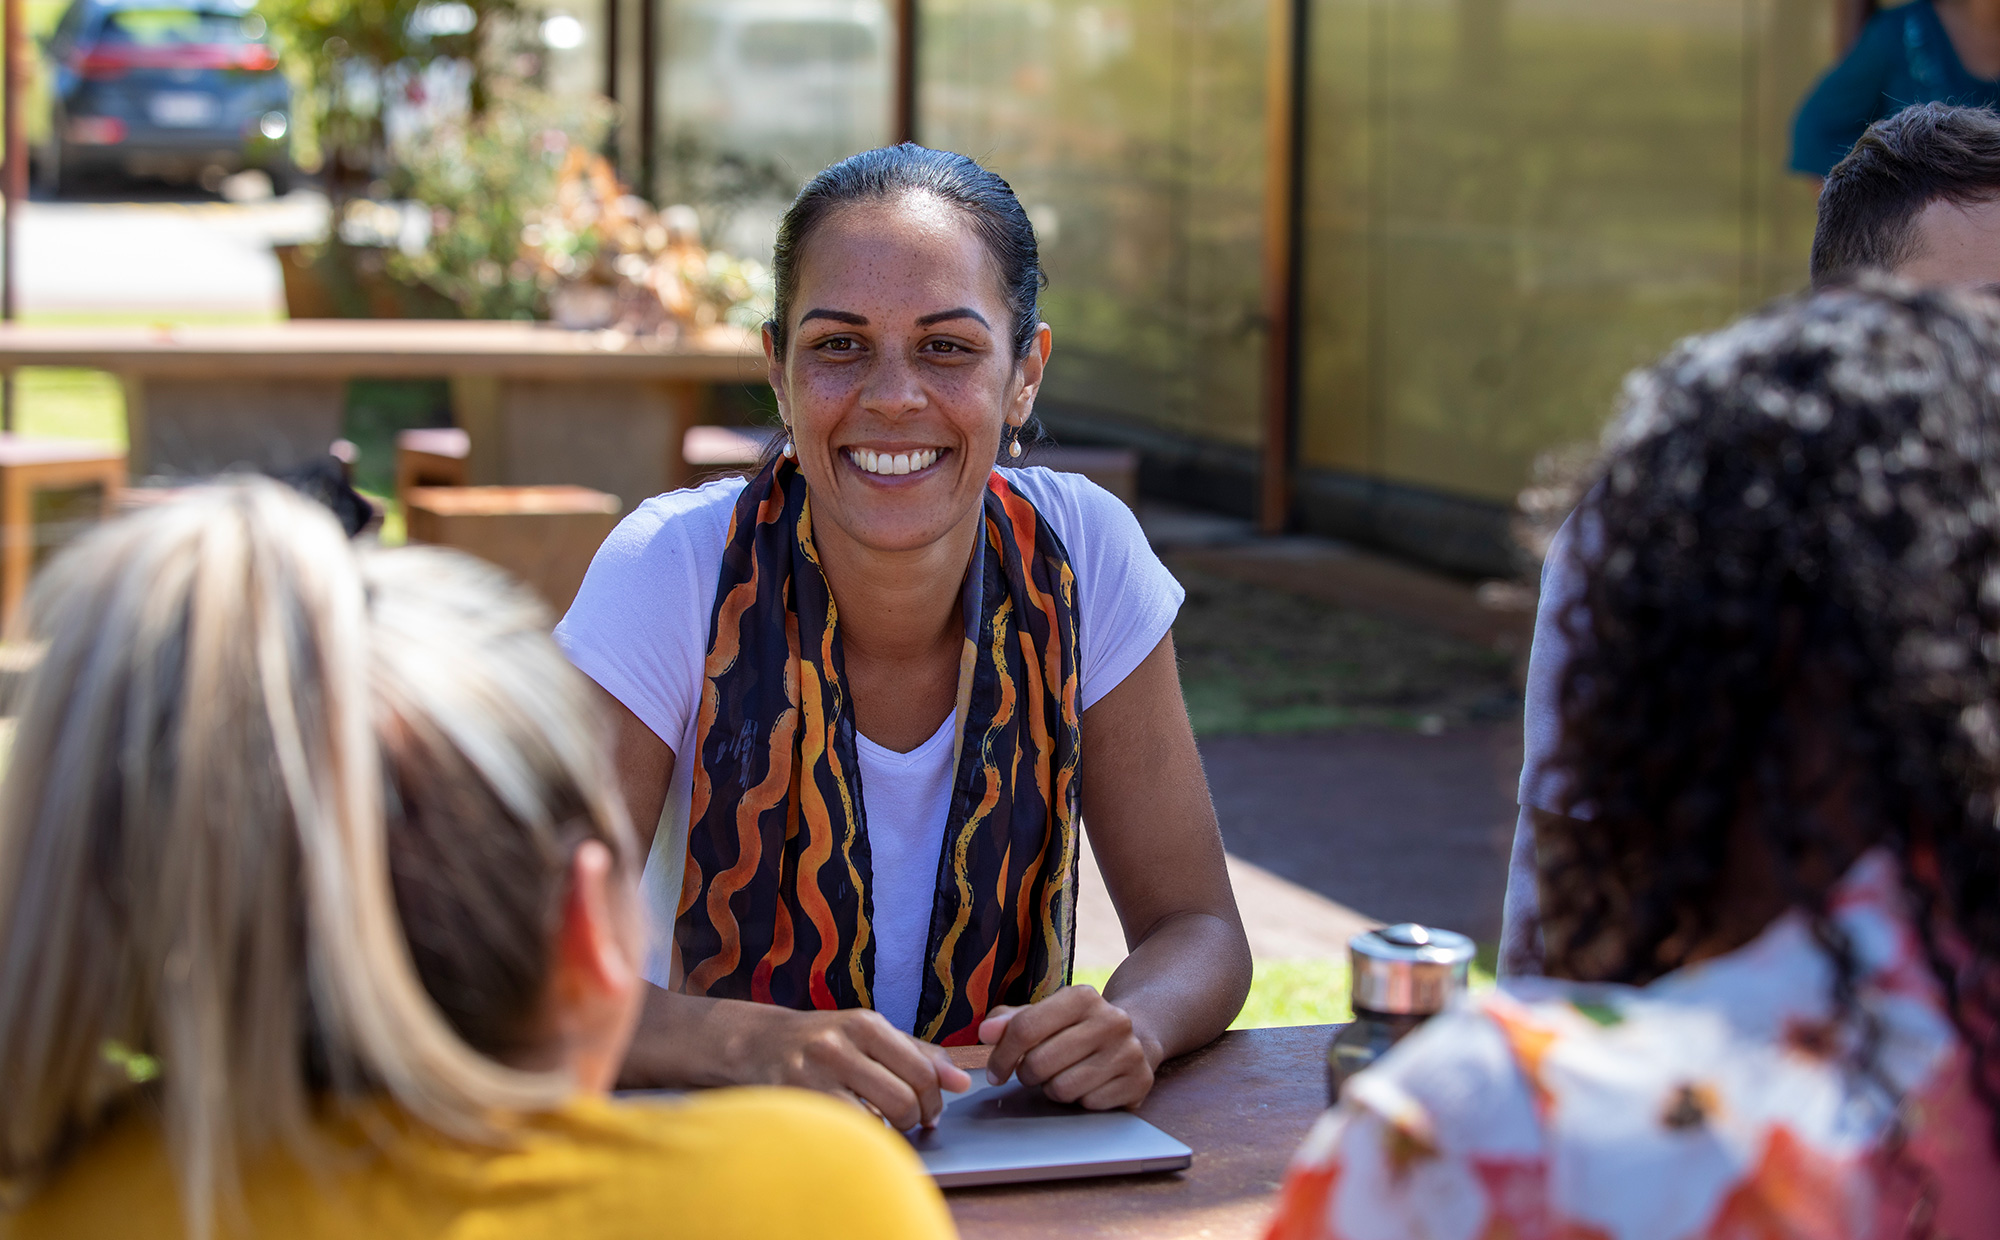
(1076, 1045)
(857, 1054)
(688, 1041)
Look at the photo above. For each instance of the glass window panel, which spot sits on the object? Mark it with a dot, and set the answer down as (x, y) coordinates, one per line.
(1133, 132)
(758, 95)
(1514, 202)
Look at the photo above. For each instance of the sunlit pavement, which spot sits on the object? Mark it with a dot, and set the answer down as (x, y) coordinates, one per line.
(195, 257)
(1332, 832)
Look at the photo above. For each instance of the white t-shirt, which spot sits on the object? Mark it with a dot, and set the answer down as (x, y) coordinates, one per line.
(640, 627)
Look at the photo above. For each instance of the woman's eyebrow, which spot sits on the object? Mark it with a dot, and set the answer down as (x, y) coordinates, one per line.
(838, 316)
(960, 312)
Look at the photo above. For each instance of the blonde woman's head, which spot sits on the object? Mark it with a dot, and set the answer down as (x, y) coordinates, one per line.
(284, 824)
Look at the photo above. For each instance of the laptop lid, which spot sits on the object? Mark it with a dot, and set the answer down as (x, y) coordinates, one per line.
(1010, 1134)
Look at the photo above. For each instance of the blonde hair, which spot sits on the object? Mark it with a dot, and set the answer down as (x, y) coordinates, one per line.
(208, 781)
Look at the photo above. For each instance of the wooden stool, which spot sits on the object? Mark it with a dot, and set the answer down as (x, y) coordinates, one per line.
(543, 535)
(31, 468)
(431, 458)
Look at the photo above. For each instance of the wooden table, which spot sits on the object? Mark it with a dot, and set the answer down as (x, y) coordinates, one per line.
(542, 404)
(1242, 1104)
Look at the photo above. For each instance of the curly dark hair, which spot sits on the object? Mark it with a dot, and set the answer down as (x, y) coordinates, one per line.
(1787, 649)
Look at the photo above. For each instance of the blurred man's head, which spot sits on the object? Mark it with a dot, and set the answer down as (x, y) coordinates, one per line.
(1919, 196)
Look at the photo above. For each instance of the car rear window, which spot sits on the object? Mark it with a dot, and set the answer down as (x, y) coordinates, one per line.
(175, 27)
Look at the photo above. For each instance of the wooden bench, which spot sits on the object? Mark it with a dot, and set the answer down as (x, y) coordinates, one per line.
(546, 536)
(539, 404)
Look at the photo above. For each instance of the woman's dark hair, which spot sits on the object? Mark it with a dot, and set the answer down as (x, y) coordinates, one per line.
(1792, 564)
(892, 171)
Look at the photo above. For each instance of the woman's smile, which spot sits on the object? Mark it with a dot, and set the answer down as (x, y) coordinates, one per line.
(893, 461)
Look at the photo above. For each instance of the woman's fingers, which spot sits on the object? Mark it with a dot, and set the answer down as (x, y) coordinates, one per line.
(913, 1065)
(1128, 1090)
(995, 1024)
(1076, 1046)
(1115, 1073)
(951, 1077)
(1023, 1029)
(1063, 1050)
(858, 1052)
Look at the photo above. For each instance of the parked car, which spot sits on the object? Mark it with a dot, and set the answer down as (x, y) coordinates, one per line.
(185, 90)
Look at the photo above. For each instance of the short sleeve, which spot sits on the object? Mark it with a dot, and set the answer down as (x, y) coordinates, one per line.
(1127, 598)
(639, 624)
(1847, 100)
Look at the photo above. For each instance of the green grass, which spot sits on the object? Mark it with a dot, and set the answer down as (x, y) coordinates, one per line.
(69, 404)
(1301, 992)
(1259, 660)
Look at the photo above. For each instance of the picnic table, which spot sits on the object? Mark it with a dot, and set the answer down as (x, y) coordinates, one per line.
(542, 404)
(1242, 1104)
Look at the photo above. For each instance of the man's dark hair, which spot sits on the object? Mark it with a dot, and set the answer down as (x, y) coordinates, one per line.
(1868, 210)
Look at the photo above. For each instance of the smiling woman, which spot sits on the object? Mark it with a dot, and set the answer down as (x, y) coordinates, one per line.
(860, 694)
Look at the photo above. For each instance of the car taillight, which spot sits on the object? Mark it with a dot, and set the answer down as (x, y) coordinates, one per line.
(103, 62)
(96, 130)
(102, 65)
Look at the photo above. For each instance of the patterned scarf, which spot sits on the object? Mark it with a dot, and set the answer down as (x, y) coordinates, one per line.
(776, 904)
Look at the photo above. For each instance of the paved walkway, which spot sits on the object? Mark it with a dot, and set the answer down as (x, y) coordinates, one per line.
(1329, 833)
(166, 257)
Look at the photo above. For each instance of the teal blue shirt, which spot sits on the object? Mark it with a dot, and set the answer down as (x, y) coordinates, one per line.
(1903, 57)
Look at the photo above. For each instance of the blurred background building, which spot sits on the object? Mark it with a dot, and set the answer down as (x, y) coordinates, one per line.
(1353, 265)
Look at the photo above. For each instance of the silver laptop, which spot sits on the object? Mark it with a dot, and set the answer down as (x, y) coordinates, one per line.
(1010, 1134)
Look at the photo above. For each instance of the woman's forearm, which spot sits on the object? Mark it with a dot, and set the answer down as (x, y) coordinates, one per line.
(1183, 983)
(690, 1041)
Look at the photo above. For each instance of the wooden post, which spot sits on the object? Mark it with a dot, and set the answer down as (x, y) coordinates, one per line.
(1284, 198)
(612, 50)
(13, 184)
(905, 121)
(649, 98)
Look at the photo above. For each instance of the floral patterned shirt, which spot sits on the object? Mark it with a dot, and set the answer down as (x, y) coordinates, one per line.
(1711, 1104)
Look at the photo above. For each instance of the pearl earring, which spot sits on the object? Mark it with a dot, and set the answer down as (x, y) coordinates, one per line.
(787, 450)
(1014, 448)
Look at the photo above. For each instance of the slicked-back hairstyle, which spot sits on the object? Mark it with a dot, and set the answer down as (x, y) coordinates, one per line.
(1786, 640)
(891, 172)
(1923, 154)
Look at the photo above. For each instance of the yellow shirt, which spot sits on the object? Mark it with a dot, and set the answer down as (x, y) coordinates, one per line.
(732, 1164)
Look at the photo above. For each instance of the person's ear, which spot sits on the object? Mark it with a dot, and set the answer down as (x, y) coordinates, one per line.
(1032, 368)
(774, 373)
(596, 973)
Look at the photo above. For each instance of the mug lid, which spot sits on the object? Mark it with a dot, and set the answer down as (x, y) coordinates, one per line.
(1415, 944)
